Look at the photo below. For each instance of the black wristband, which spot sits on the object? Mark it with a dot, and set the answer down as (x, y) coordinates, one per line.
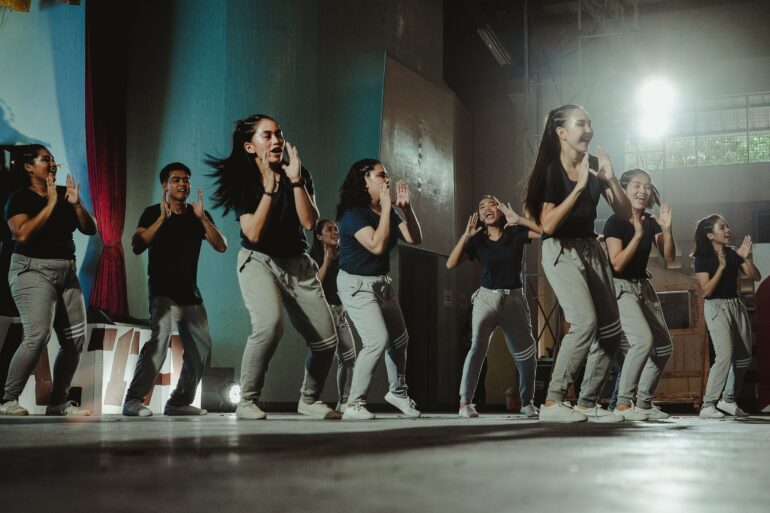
(300, 183)
(271, 194)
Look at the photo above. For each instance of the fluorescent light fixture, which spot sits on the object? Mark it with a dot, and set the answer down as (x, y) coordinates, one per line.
(491, 41)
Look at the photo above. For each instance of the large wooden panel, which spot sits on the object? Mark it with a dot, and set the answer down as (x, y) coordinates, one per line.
(417, 145)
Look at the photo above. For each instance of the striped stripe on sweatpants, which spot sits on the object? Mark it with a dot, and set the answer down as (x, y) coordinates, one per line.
(48, 296)
(346, 352)
(509, 310)
(580, 276)
(730, 330)
(373, 309)
(268, 284)
(647, 344)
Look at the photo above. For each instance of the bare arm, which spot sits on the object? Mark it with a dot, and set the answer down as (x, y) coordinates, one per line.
(615, 195)
(552, 215)
(748, 267)
(86, 221)
(307, 212)
(457, 256)
(665, 240)
(213, 236)
(376, 241)
(24, 228)
(709, 285)
(410, 230)
(620, 256)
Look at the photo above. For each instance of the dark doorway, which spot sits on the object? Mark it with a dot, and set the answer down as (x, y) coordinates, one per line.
(418, 286)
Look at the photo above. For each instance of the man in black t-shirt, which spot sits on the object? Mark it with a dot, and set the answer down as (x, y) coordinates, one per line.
(172, 231)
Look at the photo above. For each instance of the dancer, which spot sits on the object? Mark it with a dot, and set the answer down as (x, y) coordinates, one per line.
(172, 231)
(716, 268)
(647, 345)
(495, 235)
(563, 193)
(325, 251)
(43, 278)
(274, 201)
(369, 229)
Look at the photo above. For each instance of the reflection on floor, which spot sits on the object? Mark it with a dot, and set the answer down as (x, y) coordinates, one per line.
(439, 463)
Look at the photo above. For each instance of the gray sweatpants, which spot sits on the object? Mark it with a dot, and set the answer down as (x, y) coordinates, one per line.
(509, 310)
(346, 352)
(647, 344)
(373, 308)
(48, 296)
(194, 333)
(267, 284)
(581, 277)
(730, 330)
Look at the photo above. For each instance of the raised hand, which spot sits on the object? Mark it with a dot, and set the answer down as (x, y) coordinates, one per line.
(52, 194)
(664, 218)
(165, 208)
(511, 217)
(583, 173)
(744, 251)
(73, 191)
(637, 220)
(272, 181)
(200, 212)
(263, 163)
(330, 254)
(293, 169)
(473, 226)
(402, 194)
(385, 195)
(605, 171)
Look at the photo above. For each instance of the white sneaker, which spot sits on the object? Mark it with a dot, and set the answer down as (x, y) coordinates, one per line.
(530, 411)
(248, 410)
(188, 410)
(632, 413)
(710, 412)
(318, 409)
(405, 404)
(468, 411)
(653, 413)
(560, 412)
(357, 411)
(599, 414)
(136, 408)
(68, 409)
(731, 409)
(13, 408)
(341, 407)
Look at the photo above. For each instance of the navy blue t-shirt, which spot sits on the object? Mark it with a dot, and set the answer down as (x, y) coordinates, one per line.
(54, 239)
(356, 259)
(172, 267)
(329, 282)
(727, 288)
(501, 259)
(579, 223)
(282, 235)
(617, 228)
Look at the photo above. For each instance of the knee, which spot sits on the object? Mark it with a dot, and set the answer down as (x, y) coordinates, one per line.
(585, 329)
(266, 330)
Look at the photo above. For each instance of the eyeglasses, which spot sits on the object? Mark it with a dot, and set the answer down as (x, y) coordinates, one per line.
(48, 159)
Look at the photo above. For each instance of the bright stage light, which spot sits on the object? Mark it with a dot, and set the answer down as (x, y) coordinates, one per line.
(232, 393)
(656, 104)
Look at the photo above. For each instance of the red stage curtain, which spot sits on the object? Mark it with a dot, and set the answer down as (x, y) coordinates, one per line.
(106, 149)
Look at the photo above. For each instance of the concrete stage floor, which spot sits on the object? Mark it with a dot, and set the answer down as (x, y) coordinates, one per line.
(440, 463)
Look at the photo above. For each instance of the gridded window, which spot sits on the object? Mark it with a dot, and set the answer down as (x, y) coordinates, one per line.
(680, 152)
(715, 150)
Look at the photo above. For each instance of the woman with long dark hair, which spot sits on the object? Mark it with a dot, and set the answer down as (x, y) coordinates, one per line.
(325, 251)
(717, 266)
(43, 278)
(562, 195)
(273, 202)
(369, 229)
(495, 235)
(649, 344)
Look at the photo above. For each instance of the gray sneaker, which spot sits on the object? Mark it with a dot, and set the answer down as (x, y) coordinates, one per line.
(468, 411)
(731, 409)
(653, 413)
(248, 410)
(136, 408)
(13, 408)
(710, 412)
(599, 414)
(530, 411)
(317, 409)
(188, 410)
(560, 412)
(68, 409)
(405, 404)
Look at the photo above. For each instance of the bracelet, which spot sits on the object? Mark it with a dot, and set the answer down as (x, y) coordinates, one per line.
(299, 183)
(271, 194)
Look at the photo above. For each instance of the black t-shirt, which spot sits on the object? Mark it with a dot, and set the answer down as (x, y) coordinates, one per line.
(579, 223)
(636, 269)
(329, 282)
(54, 239)
(282, 235)
(172, 269)
(501, 259)
(356, 259)
(727, 288)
